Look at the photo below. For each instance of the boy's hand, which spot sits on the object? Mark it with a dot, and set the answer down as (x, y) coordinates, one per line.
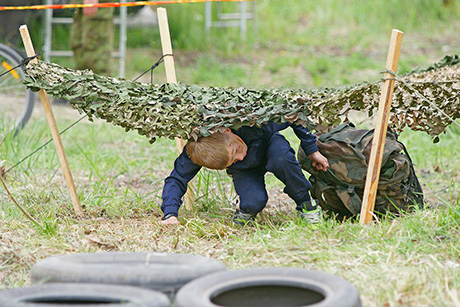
(170, 221)
(319, 161)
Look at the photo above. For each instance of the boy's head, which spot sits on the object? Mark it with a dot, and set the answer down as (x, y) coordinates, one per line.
(217, 151)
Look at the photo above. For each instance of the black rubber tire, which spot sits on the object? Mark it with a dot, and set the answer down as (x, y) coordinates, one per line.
(157, 271)
(87, 295)
(269, 287)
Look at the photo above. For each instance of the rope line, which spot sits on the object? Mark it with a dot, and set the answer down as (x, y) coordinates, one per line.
(23, 62)
(43, 146)
(398, 78)
(153, 67)
(115, 4)
(26, 60)
(161, 60)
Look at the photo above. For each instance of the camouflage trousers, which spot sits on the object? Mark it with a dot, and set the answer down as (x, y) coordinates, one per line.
(91, 40)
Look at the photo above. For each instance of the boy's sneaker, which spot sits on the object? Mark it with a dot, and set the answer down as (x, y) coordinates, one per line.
(311, 212)
(242, 218)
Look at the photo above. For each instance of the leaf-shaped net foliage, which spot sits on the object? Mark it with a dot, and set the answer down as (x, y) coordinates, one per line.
(179, 110)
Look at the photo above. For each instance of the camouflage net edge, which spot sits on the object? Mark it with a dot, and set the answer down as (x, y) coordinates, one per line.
(190, 111)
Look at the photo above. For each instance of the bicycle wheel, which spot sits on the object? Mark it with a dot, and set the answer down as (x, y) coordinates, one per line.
(16, 102)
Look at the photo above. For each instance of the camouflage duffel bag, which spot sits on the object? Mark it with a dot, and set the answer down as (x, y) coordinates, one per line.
(339, 190)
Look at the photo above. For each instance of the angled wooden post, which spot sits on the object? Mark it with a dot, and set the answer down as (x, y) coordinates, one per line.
(171, 77)
(53, 126)
(381, 126)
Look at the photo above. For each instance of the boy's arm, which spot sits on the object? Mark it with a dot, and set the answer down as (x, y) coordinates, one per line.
(307, 139)
(308, 144)
(176, 185)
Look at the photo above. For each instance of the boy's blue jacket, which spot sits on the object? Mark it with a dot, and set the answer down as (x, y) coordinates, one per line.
(255, 138)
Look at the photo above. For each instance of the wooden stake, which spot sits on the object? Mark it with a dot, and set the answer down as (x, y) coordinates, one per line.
(381, 126)
(53, 127)
(169, 59)
(171, 76)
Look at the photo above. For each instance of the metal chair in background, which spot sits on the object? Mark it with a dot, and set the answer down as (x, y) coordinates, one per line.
(225, 20)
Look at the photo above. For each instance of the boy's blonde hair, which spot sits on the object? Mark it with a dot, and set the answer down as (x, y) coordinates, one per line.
(210, 151)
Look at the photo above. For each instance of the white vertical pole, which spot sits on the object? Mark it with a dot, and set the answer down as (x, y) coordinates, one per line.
(122, 43)
(207, 16)
(243, 20)
(48, 31)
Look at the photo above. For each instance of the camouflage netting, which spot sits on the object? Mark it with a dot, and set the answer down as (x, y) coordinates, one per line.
(179, 110)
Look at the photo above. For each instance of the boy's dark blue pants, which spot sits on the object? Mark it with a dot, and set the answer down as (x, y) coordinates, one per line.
(281, 161)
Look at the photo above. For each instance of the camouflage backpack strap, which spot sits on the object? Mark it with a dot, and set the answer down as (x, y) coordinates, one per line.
(350, 198)
(318, 187)
(338, 195)
(342, 147)
(328, 197)
(340, 189)
(346, 192)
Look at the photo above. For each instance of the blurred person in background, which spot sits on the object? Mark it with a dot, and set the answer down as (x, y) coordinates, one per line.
(91, 38)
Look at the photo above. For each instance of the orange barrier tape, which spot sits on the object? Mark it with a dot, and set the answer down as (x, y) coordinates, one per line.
(115, 4)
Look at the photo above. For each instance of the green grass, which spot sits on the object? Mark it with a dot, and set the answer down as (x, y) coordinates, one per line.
(409, 261)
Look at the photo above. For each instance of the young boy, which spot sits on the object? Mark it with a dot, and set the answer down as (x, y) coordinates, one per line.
(247, 154)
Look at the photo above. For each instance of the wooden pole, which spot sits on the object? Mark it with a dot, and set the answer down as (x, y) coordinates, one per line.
(169, 59)
(53, 126)
(171, 76)
(381, 126)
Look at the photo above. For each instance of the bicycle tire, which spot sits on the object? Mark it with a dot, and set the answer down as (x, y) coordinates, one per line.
(10, 58)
